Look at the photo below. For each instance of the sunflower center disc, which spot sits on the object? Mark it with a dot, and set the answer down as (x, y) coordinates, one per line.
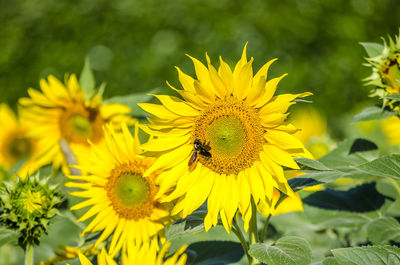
(19, 148)
(234, 133)
(227, 136)
(80, 125)
(131, 190)
(131, 194)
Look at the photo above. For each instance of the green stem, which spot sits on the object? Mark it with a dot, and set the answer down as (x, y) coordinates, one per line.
(253, 231)
(239, 234)
(265, 229)
(395, 185)
(29, 255)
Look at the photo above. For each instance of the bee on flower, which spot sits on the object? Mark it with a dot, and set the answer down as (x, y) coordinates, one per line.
(236, 115)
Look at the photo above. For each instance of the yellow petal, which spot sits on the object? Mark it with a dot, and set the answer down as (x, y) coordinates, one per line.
(170, 159)
(166, 143)
(185, 80)
(282, 139)
(270, 88)
(158, 110)
(226, 75)
(177, 105)
(273, 120)
(244, 80)
(280, 156)
(219, 85)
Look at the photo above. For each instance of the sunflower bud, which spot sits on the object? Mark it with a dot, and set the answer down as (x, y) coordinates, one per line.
(27, 206)
(385, 70)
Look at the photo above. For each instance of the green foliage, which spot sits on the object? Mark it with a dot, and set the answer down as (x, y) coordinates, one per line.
(214, 252)
(377, 255)
(384, 229)
(373, 113)
(87, 80)
(288, 250)
(372, 49)
(363, 198)
(387, 166)
(131, 101)
(318, 46)
(7, 236)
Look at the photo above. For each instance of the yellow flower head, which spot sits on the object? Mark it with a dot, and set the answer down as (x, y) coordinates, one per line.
(225, 142)
(62, 112)
(121, 199)
(146, 254)
(385, 68)
(16, 144)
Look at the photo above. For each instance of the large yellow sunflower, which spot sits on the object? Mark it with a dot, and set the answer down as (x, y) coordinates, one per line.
(146, 254)
(234, 126)
(16, 144)
(63, 112)
(120, 197)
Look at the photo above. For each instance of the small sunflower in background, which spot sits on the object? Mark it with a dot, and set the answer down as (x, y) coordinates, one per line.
(391, 128)
(63, 112)
(226, 142)
(16, 143)
(120, 197)
(385, 75)
(312, 131)
(148, 254)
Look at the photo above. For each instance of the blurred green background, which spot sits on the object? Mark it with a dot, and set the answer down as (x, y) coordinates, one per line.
(133, 45)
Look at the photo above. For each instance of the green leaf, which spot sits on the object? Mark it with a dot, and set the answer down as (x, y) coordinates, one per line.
(369, 255)
(387, 166)
(363, 198)
(194, 223)
(87, 80)
(6, 236)
(373, 113)
(347, 154)
(330, 261)
(300, 183)
(313, 164)
(214, 252)
(334, 218)
(289, 250)
(132, 100)
(362, 145)
(383, 229)
(393, 96)
(372, 49)
(387, 189)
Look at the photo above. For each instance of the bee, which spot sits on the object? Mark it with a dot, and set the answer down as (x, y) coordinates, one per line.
(199, 149)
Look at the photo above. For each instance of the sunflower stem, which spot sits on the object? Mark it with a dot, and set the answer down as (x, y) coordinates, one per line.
(264, 231)
(253, 231)
(239, 234)
(29, 255)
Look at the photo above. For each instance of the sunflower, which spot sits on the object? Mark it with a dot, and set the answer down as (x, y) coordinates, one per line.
(385, 67)
(114, 187)
(226, 141)
(313, 130)
(16, 144)
(62, 112)
(145, 254)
